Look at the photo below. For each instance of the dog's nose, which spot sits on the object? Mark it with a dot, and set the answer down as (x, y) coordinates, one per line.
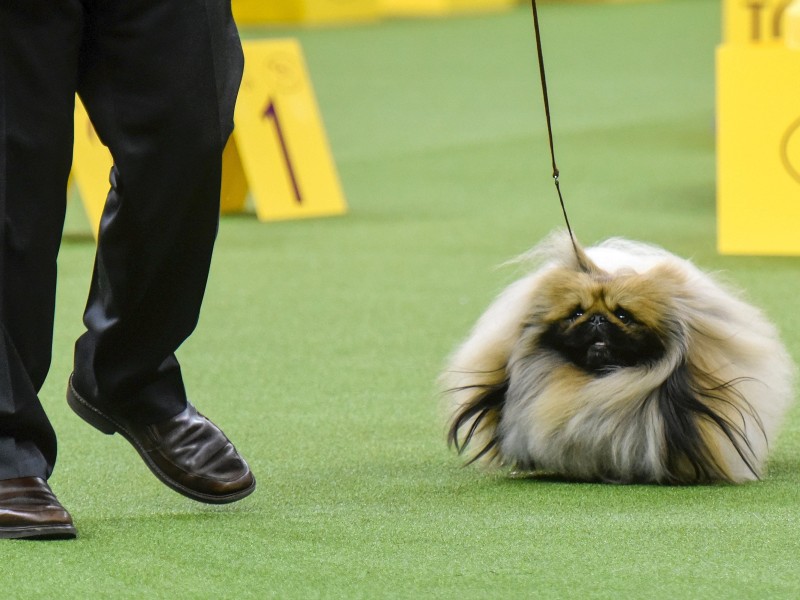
(597, 320)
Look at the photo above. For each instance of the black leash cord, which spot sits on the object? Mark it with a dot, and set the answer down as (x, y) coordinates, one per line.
(549, 121)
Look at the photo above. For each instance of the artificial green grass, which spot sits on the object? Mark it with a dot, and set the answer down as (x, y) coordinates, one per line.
(320, 340)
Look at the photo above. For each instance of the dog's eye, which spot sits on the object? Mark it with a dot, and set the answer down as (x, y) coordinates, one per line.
(575, 314)
(623, 315)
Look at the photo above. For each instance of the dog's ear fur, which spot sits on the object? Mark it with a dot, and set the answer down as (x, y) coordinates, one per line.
(701, 416)
(479, 417)
(475, 381)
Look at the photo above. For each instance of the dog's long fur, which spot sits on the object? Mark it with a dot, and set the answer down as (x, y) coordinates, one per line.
(691, 390)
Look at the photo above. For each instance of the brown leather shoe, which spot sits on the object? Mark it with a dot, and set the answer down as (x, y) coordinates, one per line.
(29, 509)
(188, 452)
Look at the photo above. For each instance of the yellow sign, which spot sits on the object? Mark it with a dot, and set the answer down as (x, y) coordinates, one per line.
(92, 162)
(310, 11)
(280, 136)
(758, 150)
(460, 5)
(753, 21)
(91, 166)
(278, 150)
(440, 7)
(234, 183)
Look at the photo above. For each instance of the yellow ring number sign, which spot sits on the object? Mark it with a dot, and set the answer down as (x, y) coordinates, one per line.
(280, 136)
(278, 151)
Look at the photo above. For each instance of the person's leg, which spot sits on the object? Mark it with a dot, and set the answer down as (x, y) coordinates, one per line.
(159, 80)
(39, 43)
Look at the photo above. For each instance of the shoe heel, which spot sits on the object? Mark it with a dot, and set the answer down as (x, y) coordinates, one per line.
(89, 414)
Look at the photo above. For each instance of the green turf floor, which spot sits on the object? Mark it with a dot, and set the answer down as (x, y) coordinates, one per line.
(320, 340)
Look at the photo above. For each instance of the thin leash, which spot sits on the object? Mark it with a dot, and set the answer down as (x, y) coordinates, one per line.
(556, 172)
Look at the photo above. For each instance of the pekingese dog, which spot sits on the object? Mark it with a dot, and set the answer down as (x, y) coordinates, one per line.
(619, 363)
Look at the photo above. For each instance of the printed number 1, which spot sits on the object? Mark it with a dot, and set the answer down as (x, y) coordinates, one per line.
(271, 114)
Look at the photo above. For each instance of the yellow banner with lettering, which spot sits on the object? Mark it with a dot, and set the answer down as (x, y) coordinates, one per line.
(758, 129)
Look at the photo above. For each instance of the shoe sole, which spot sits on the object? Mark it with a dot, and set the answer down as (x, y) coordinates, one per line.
(39, 532)
(110, 426)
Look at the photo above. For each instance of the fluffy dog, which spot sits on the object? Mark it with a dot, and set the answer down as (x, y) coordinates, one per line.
(619, 363)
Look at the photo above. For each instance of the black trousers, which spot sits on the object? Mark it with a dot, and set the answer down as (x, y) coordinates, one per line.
(159, 79)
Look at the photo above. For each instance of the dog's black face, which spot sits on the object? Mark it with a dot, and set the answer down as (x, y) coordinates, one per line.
(600, 322)
(602, 340)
